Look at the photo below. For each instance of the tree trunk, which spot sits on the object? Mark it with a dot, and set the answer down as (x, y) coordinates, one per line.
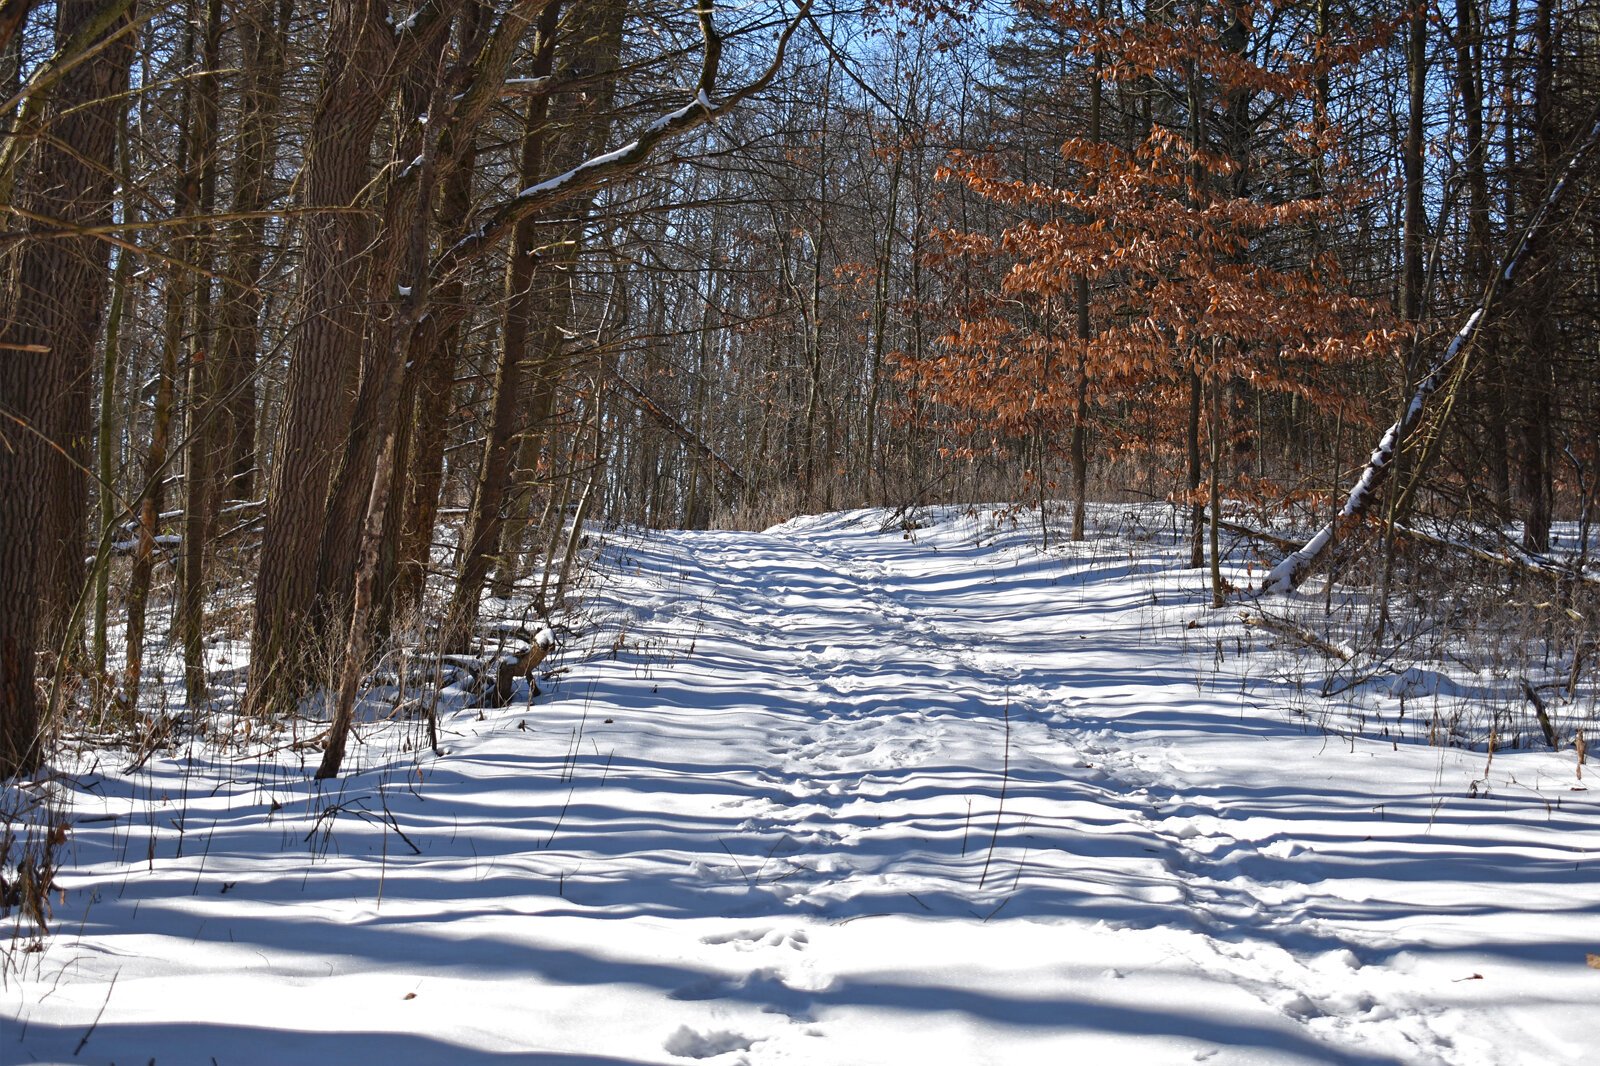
(262, 25)
(205, 437)
(1414, 233)
(1080, 410)
(1537, 381)
(356, 82)
(112, 508)
(52, 293)
(338, 556)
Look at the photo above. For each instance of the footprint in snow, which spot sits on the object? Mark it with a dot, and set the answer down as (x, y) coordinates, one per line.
(689, 1043)
(763, 936)
(766, 987)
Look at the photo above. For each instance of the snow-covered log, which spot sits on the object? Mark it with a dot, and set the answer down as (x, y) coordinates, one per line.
(1294, 567)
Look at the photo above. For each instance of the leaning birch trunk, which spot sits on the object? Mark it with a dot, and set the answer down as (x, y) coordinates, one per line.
(1294, 568)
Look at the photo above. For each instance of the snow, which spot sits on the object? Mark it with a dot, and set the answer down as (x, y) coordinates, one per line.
(829, 795)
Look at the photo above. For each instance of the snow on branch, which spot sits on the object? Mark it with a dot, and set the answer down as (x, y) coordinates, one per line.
(597, 170)
(1294, 567)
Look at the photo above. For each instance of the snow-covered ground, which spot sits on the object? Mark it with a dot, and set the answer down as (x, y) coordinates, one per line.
(838, 796)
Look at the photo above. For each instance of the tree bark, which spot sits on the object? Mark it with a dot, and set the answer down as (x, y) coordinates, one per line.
(206, 437)
(1537, 406)
(52, 293)
(358, 74)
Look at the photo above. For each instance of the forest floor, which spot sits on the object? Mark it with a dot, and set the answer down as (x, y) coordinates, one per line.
(828, 794)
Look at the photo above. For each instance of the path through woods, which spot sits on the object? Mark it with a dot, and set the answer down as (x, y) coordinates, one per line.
(842, 796)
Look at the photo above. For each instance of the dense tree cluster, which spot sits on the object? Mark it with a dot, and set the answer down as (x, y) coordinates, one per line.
(321, 321)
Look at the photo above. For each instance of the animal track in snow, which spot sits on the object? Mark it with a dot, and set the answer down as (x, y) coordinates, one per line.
(751, 939)
(689, 1043)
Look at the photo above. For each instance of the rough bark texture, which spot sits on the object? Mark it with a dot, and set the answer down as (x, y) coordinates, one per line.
(52, 294)
(1536, 312)
(317, 403)
(387, 295)
(206, 431)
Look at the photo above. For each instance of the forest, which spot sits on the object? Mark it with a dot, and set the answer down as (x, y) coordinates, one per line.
(289, 288)
(379, 361)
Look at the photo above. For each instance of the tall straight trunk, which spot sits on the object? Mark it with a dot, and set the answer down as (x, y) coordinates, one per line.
(1197, 194)
(338, 555)
(1413, 235)
(1197, 510)
(206, 433)
(352, 663)
(1218, 593)
(434, 359)
(52, 294)
(524, 278)
(153, 492)
(357, 78)
(587, 128)
(59, 289)
(435, 353)
(453, 89)
(880, 312)
(261, 29)
(180, 284)
(812, 308)
(1469, 85)
(111, 507)
(1537, 379)
(1080, 410)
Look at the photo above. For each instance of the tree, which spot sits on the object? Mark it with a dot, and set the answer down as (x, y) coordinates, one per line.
(52, 293)
(1190, 246)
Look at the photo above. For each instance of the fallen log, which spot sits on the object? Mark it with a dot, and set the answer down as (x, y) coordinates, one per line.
(1513, 558)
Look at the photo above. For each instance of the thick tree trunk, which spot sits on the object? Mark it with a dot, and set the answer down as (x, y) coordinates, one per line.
(1492, 392)
(339, 552)
(52, 293)
(1537, 407)
(206, 435)
(430, 385)
(323, 360)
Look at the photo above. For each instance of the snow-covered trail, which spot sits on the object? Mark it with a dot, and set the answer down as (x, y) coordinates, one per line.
(841, 797)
